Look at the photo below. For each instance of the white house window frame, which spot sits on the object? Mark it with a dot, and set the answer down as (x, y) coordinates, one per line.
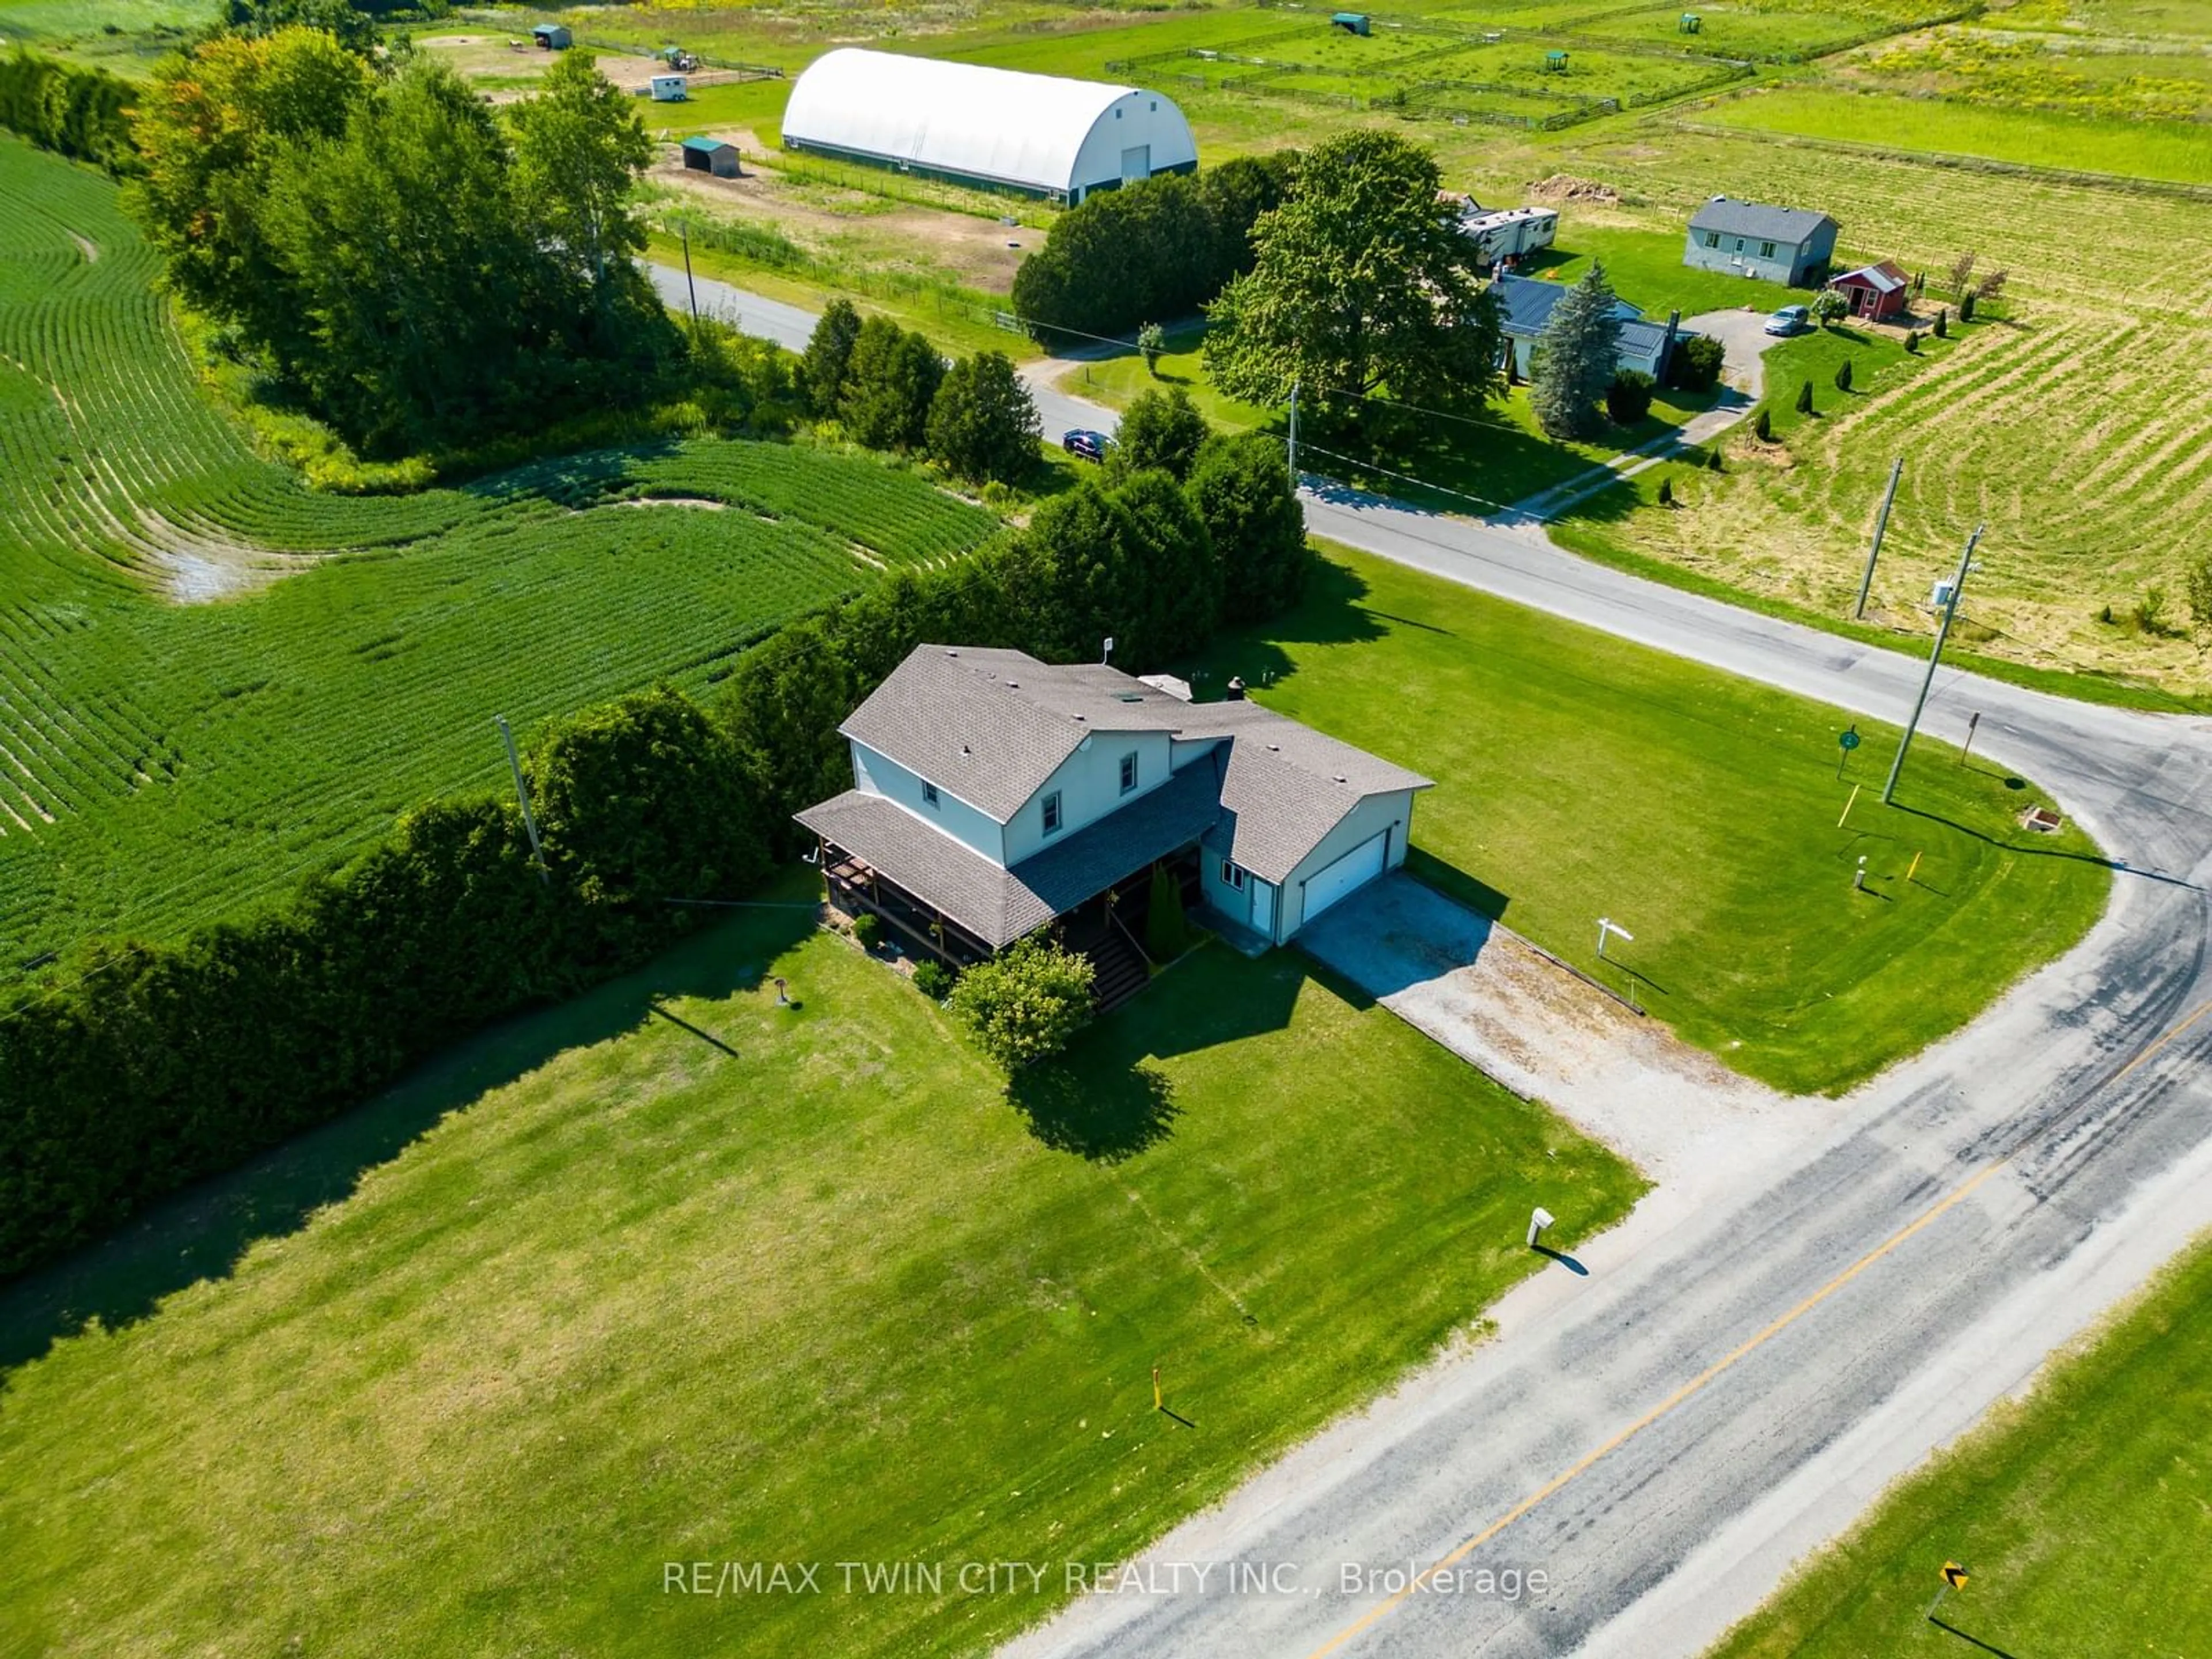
(1712, 239)
(929, 797)
(1049, 808)
(1232, 875)
(1766, 250)
(1128, 771)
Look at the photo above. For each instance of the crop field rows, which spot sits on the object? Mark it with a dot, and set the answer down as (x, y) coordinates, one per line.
(164, 762)
(2075, 430)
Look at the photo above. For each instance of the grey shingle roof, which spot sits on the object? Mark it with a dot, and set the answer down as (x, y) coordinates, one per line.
(1780, 224)
(990, 726)
(1000, 906)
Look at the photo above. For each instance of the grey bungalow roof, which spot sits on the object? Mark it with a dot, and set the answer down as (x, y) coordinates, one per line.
(1776, 224)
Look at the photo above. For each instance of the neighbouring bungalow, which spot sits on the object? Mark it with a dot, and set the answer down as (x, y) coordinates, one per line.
(1525, 306)
(995, 795)
(1790, 245)
(1877, 292)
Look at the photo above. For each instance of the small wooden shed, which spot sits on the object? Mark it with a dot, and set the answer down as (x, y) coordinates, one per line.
(1877, 292)
(552, 37)
(716, 155)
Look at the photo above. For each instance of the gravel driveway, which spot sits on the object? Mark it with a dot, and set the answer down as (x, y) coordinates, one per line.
(1491, 998)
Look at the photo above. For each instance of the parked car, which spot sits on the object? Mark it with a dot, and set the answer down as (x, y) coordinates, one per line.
(1790, 319)
(1090, 445)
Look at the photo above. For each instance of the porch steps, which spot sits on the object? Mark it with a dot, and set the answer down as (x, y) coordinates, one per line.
(1121, 969)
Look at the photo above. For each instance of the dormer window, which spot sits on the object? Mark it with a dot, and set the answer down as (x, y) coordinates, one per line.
(1128, 771)
(928, 794)
(1052, 813)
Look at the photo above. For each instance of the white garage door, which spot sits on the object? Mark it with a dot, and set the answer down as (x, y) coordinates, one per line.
(1361, 865)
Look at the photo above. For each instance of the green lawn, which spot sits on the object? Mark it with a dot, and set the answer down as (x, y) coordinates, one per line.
(2079, 1513)
(758, 1285)
(1646, 269)
(1579, 775)
(2176, 150)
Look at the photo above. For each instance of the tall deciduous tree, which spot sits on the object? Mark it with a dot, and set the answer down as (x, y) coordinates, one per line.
(580, 148)
(214, 129)
(1575, 357)
(1361, 282)
(1172, 589)
(1161, 429)
(425, 289)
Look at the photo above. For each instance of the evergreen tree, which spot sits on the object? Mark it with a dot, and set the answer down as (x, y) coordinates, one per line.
(889, 384)
(982, 424)
(1575, 357)
(1242, 493)
(830, 356)
(1805, 398)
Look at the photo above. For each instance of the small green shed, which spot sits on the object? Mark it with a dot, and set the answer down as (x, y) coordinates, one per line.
(716, 155)
(552, 37)
(1352, 23)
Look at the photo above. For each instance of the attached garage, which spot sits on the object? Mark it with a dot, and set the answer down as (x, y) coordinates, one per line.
(1355, 869)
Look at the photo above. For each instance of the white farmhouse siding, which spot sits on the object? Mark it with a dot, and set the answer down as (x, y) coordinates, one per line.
(879, 774)
(1042, 135)
(1390, 815)
(1089, 786)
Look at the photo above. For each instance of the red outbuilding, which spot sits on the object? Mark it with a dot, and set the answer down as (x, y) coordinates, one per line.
(1877, 293)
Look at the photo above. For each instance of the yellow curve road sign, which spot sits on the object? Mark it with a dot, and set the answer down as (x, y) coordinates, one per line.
(1954, 1575)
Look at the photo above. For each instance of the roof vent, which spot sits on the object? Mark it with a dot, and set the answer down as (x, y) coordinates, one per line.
(1014, 685)
(1274, 748)
(1339, 777)
(965, 750)
(951, 652)
(1081, 717)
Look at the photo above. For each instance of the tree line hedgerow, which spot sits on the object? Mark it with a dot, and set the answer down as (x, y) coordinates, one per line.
(149, 1067)
(81, 113)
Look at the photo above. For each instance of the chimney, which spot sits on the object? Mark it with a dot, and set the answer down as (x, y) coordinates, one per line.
(1235, 691)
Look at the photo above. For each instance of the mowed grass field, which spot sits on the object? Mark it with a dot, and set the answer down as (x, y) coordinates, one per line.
(2175, 150)
(2079, 1511)
(1580, 776)
(2073, 428)
(740, 1284)
(214, 680)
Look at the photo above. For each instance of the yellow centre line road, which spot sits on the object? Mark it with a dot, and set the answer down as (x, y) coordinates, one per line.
(1383, 1609)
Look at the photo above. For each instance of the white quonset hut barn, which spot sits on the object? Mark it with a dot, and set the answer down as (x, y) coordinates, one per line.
(1038, 134)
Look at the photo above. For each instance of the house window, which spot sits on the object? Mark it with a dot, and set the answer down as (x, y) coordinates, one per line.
(1739, 245)
(1052, 813)
(1766, 250)
(1128, 771)
(1232, 875)
(929, 794)
(1712, 239)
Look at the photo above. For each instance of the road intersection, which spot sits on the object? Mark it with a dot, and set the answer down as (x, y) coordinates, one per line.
(1731, 1384)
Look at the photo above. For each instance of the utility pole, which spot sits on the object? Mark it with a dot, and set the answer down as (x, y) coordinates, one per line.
(1942, 633)
(522, 794)
(1294, 437)
(683, 229)
(1881, 524)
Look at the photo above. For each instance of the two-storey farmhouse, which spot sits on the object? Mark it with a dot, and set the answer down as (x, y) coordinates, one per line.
(1791, 245)
(993, 794)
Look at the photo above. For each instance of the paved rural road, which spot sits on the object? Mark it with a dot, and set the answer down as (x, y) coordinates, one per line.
(1729, 1387)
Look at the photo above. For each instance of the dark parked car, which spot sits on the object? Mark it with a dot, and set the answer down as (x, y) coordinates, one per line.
(1090, 445)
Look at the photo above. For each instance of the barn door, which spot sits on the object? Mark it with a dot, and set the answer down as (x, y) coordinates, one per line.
(1136, 164)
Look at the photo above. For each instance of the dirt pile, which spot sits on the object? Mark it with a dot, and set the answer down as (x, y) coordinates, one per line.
(1565, 187)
